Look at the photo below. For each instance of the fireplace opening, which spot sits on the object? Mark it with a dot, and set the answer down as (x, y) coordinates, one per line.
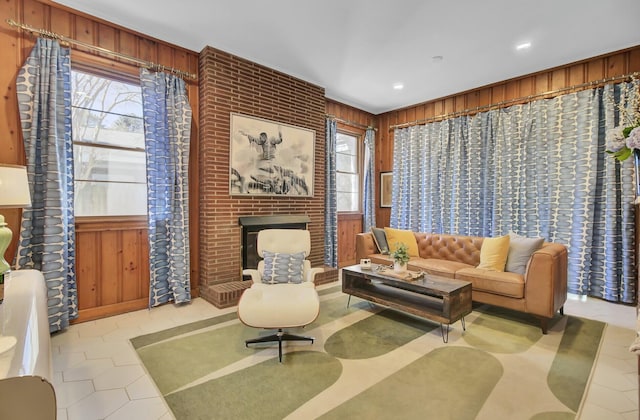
(251, 225)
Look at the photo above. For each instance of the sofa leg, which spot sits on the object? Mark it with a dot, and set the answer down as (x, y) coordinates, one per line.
(544, 325)
(544, 322)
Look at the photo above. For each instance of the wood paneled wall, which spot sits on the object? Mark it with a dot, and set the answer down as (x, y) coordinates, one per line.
(112, 267)
(354, 121)
(112, 271)
(606, 66)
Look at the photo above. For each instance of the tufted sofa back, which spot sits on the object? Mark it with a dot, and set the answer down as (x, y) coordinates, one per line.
(465, 249)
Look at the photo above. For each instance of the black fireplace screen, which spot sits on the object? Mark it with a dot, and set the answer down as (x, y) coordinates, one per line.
(251, 225)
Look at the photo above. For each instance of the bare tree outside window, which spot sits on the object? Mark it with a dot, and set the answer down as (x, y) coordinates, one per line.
(347, 173)
(108, 137)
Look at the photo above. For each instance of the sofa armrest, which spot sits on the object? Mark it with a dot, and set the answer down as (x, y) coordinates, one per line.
(546, 280)
(365, 246)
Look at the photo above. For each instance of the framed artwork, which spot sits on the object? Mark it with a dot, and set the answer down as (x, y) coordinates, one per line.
(385, 188)
(270, 158)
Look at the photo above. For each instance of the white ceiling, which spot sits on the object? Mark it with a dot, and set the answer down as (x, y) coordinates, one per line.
(358, 49)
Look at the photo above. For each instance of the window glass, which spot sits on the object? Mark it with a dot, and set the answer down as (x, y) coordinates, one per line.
(108, 136)
(347, 173)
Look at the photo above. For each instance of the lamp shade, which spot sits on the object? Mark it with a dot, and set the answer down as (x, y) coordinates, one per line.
(14, 187)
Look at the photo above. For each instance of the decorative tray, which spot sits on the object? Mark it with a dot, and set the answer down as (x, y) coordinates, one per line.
(405, 275)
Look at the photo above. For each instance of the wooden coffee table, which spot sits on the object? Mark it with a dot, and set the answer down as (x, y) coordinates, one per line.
(435, 298)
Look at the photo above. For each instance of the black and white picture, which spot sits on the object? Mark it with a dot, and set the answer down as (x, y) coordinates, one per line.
(270, 158)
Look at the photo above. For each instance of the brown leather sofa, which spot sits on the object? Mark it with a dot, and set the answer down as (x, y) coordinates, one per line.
(541, 291)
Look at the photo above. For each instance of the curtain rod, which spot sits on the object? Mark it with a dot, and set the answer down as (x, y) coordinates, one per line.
(351, 123)
(523, 99)
(147, 64)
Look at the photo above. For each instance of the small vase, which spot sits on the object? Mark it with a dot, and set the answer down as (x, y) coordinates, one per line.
(399, 268)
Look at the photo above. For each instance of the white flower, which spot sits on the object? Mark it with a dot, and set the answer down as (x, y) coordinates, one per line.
(615, 139)
(633, 141)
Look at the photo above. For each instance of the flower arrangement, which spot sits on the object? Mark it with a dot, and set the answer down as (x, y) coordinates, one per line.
(401, 254)
(625, 138)
(622, 141)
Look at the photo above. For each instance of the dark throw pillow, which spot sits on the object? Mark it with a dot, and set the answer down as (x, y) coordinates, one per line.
(380, 238)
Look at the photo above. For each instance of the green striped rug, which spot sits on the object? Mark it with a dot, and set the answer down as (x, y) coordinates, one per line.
(373, 363)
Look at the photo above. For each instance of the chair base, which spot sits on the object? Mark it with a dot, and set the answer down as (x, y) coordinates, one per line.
(280, 336)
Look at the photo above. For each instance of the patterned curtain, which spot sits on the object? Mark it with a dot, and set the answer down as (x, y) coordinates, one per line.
(330, 198)
(539, 169)
(47, 235)
(369, 189)
(167, 124)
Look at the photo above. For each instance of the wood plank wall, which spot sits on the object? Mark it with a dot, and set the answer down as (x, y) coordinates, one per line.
(354, 122)
(112, 254)
(597, 68)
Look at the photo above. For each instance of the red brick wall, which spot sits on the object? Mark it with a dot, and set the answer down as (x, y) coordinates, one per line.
(232, 84)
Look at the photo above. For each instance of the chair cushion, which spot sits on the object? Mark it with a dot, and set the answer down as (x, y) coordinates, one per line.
(282, 268)
(279, 305)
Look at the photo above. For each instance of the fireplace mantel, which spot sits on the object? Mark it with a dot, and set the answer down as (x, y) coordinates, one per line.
(273, 220)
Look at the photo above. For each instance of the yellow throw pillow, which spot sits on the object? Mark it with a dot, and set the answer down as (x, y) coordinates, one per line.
(493, 253)
(407, 237)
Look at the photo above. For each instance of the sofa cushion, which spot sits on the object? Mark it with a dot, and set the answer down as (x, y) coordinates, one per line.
(499, 283)
(493, 254)
(520, 250)
(380, 239)
(444, 268)
(407, 237)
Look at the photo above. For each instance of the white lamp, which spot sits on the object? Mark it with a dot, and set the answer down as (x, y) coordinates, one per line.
(14, 193)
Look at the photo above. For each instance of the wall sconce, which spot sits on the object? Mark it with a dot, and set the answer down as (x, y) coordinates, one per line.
(14, 193)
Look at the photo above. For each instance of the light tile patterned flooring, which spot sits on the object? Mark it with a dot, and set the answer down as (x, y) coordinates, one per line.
(97, 374)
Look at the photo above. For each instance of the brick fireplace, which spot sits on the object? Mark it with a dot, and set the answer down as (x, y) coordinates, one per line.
(229, 84)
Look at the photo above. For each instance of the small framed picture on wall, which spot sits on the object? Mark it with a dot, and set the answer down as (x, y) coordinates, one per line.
(385, 188)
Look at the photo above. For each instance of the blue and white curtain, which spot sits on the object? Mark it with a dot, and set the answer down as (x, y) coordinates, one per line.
(47, 235)
(331, 197)
(167, 124)
(539, 169)
(369, 189)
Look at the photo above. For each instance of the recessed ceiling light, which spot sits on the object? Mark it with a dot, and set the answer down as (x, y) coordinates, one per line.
(523, 46)
(398, 86)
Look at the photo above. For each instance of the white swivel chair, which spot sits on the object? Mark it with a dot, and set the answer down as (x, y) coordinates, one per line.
(283, 293)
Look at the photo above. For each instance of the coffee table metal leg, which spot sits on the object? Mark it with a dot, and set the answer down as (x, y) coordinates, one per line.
(445, 332)
(464, 328)
(349, 301)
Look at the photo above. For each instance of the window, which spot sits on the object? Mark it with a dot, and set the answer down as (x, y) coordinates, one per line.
(347, 173)
(108, 147)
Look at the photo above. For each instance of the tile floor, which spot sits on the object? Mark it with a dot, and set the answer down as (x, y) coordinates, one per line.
(97, 374)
